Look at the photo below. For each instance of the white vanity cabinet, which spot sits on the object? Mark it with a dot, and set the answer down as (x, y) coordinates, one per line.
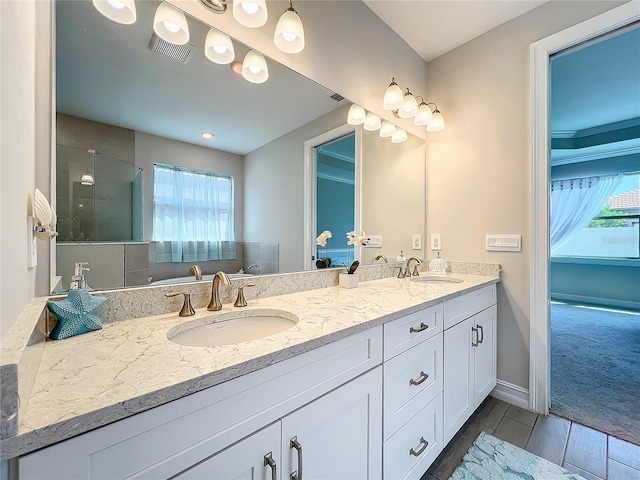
(469, 355)
(329, 399)
(412, 393)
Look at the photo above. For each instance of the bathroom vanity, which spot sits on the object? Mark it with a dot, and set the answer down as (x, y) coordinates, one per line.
(366, 385)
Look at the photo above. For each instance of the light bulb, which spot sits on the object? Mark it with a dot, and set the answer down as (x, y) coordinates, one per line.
(170, 24)
(218, 47)
(356, 115)
(289, 34)
(393, 97)
(289, 37)
(250, 13)
(172, 27)
(117, 4)
(120, 11)
(250, 7)
(254, 67)
(387, 129)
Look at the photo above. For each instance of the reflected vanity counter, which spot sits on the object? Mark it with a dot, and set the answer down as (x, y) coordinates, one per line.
(130, 366)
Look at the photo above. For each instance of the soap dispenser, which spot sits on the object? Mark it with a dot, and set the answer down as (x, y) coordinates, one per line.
(401, 257)
(78, 313)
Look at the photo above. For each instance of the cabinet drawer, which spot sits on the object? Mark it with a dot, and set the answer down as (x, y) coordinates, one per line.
(411, 380)
(459, 308)
(410, 451)
(405, 332)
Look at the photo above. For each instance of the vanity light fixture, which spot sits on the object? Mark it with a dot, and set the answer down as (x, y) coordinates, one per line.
(218, 47)
(254, 67)
(170, 24)
(424, 115)
(437, 123)
(207, 135)
(120, 11)
(289, 36)
(387, 129)
(399, 136)
(409, 106)
(87, 178)
(250, 13)
(356, 115)
(393, 96)
(372, 122)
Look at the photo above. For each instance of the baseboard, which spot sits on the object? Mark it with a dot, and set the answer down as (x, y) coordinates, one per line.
(605, 302)
(510, 393)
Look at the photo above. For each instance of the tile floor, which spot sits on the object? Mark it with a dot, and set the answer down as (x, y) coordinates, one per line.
(592, 454)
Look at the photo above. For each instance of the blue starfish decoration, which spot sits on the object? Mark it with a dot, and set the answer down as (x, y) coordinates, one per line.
(78, 313)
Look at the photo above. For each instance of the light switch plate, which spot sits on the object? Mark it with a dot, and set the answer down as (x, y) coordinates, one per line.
(504, 243)
(373, 241)
(416, 241)
(436, 244)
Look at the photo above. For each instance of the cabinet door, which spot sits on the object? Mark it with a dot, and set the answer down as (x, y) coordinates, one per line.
(485, 353)
(339, 435)
(459, 401)
(244, 460)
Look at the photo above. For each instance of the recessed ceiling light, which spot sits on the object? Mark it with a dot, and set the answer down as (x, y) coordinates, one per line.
(207, 135)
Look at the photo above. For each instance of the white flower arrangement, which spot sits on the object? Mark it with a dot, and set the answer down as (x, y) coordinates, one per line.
(354, 238)
(323, 238)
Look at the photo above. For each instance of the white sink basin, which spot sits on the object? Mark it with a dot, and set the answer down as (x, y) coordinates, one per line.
(232, 327)
(433, 279)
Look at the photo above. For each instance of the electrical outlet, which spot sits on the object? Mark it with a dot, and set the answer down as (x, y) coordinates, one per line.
(416, 241)
(373, 241)
(436, 244)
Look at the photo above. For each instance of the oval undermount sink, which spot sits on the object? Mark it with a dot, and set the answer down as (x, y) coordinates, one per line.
(435, 280)
(232, 327)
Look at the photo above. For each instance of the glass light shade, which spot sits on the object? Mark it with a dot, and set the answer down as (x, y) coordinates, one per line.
(393, 97)
(218, 47)
(372, 122)
(409, 106)
(289, 36)
(254, 67)
(387, 129)
(437, 123)
(250, 13)
(356, 115)
(87, 178)
(399, 136)
(120, 11)
(170, 24)
(424, 115)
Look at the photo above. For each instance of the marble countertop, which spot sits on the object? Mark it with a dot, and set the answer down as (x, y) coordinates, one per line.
(129, 366)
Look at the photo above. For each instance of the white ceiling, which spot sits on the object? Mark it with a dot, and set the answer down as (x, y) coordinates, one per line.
(434, 27)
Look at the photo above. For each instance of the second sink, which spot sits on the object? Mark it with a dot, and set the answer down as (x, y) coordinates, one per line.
(231, 327)
(435, 279)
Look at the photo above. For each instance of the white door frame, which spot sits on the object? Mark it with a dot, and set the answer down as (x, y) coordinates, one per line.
(539, 364)
(310, 196)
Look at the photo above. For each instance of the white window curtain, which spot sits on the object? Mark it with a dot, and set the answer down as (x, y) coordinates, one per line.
(192, 215)
(575, 202)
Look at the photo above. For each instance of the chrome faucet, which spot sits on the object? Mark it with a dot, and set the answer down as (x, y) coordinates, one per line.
(195, 270)
(215, 304)
(382, 257)
(407, 272)
(255, 265)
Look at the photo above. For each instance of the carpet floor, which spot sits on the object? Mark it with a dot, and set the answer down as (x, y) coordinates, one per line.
(595, 369)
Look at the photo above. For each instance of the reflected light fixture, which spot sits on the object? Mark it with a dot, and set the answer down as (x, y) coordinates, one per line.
(424, 115)
(372, 122)
(387, 129)
(409, 106)
(218, 47)
(437, 123)
(170, 24)
(207, 135)
(120, 11)
(393, 97)
(356, 115)
(250, 13)
(87, 178)
(254, 67)
(399, 136)
(289, 36)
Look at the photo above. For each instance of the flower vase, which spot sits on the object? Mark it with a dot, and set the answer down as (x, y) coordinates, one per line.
(346, 280)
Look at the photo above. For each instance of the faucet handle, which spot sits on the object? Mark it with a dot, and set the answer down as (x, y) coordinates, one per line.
(187, 309)
(400, 273)
(415, 271)
(241, 301)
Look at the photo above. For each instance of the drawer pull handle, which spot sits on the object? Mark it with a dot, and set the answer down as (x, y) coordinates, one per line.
(268, 460)
(421, 328)
(474, 343)
(293, 443)
(423, 377)
(481, 330)
(421, 448)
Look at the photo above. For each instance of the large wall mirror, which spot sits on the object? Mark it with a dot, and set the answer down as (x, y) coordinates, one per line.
(126, 102)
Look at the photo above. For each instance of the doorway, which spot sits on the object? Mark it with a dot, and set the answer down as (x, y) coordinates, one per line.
(539, 374)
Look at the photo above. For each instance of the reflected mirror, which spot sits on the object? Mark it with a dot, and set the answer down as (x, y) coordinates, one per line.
(125, 102)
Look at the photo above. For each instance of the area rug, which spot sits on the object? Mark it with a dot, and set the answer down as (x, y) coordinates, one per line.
(490, 458)
(595, 369)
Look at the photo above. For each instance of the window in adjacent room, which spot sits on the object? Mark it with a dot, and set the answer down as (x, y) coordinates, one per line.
(193, 217)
